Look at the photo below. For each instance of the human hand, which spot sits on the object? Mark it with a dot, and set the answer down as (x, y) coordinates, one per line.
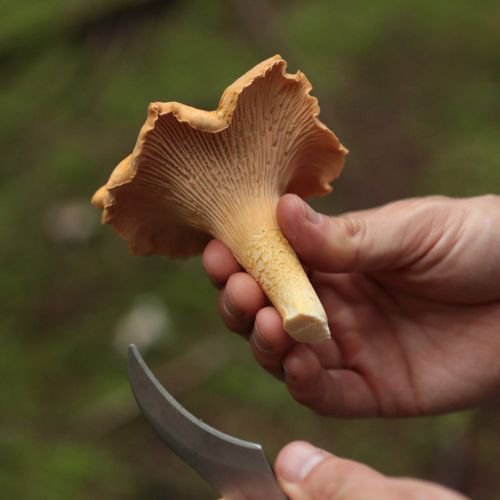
(308, 473)
(412, 293)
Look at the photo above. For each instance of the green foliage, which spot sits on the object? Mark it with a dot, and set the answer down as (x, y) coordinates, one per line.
(58, 469)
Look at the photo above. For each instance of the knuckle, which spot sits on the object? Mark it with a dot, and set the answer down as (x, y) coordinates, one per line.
(354, 226)
(413, 207)
(429, 205)
(490, 200)
(490, 197)
(353, 235)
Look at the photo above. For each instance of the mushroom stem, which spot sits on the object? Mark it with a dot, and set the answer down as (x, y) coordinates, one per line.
(261, 248)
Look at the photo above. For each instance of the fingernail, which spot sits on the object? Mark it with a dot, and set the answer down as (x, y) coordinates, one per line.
(311, 215)
(298, 460)
(259, 342)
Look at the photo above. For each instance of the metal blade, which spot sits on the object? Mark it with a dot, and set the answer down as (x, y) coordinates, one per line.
(237, 469)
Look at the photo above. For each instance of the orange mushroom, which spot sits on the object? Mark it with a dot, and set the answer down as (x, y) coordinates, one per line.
(197, 174)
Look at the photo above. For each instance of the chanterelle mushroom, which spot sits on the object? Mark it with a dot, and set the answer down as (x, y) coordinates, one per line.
(195, 174)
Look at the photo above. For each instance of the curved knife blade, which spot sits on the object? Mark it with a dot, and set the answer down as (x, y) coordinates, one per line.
(237, 469)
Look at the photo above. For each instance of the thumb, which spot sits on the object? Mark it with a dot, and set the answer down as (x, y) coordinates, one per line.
(379, 239)
(309, 473)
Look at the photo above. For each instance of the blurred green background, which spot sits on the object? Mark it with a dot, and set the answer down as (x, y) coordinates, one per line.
(412, 89)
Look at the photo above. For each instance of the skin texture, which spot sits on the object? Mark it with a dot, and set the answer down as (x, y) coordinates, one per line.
(412, 293)
(308, 473)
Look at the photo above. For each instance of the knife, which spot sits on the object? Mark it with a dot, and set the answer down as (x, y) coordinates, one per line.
(237, 469)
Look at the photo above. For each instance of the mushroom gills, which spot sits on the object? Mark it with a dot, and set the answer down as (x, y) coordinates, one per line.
(195, 174)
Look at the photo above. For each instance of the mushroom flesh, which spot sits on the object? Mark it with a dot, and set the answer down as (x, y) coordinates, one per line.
(196, 174)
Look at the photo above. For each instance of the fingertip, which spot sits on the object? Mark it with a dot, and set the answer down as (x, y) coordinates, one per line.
(289, 210)
(269, 342)
(239, 302)
(289, 201)
(269, 329)
(305, 471)
(292, 208)
(297, 459)
(244, 295)
(290, 450)
(219, 263)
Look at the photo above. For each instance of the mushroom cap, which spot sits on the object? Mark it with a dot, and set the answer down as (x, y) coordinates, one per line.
(190, 168)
